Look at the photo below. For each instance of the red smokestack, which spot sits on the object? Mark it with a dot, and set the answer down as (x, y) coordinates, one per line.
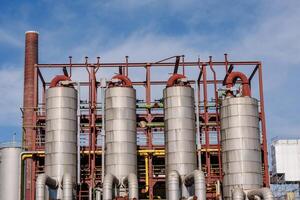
(31, 58)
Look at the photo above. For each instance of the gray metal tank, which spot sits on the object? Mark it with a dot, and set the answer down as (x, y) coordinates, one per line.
(120, 129)
(10, 173)
(61, 135)
(240, 140)
(180, 133)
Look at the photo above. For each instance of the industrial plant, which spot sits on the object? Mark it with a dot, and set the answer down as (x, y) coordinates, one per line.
(149, 131)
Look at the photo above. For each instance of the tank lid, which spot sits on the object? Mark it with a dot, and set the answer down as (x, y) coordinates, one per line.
(11, 144)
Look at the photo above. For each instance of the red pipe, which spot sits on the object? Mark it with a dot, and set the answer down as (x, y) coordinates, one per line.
(126, 81)
(173, 79)
(233, 76)
(58, 79)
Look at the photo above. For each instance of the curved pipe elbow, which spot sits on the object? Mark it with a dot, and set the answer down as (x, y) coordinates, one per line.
(132, 182)
(126, 81)
(173, 79)
(67, 187)
(173, 185)
(108, 183)
(263, 193)
(245, 82)
(41, 182)
(58, 79)
(238, 194)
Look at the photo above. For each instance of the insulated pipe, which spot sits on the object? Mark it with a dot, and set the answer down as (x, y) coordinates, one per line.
(173, 186)
(132, 182)
(245, 82)
(103, 87)
(58, 79)
(198, 135)
(78, 134)
(198, 179)
(41, 181)
(263, 193)
(97, 194)
(238, 194)
(67, 187)
(109, 181)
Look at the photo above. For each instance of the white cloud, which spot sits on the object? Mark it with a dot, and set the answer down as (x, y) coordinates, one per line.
(275, 41)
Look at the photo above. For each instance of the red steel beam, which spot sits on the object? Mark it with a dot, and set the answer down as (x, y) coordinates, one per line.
(264, 129)
(143, 64)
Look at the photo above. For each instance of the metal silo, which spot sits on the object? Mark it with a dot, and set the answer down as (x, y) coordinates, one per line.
(240, 140)
(60, 142)
(120, 139)
(241, 151)
(10, 172)
(180, 137)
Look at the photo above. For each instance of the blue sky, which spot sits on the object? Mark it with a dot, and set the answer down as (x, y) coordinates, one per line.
(247, 30)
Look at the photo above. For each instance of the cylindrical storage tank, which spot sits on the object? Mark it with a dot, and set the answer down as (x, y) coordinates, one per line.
(240, 140)
(180, 134)
(10, 173)
(120, 129)
(61, 135)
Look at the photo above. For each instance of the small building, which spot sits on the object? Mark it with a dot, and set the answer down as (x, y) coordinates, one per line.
(286, 161)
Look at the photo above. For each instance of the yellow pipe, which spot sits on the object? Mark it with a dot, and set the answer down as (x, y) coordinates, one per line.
(147, 151)
(147, 174)
(142, 152)
(25, 155)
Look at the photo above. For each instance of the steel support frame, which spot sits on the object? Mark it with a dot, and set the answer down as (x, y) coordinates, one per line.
(204, 82)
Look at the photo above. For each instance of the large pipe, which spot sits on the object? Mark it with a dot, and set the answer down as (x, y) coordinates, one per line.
(173, 185)
(41, 182)
(198, 179)
(67, 187)
(132, 182)
(263, 193)
(238, 194)
(108, 183)
(98, 193)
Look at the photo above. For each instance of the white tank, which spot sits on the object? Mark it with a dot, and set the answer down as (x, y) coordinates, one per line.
(241, 149)
(120, 119)
(179, 114)
(10, 173)
(61, 135)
